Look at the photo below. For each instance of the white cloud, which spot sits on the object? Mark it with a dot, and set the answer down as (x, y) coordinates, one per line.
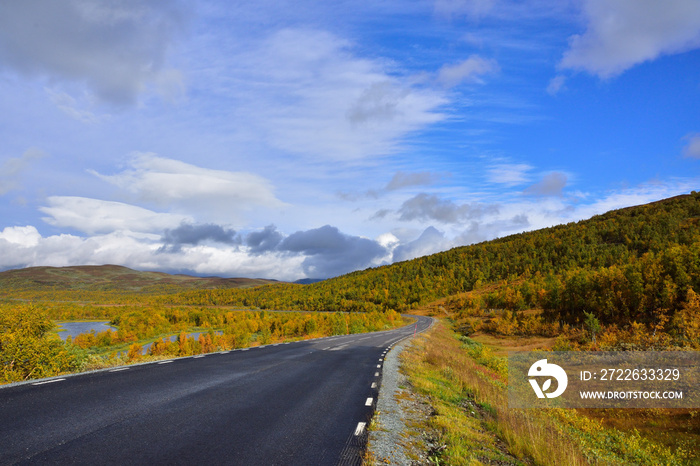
(692, 147)
(509, 174)
(24, 237)
(12, 167)
(72, 107)
(219, 194)
(556, 85)
(116, 47)
(305, 92)
(474, 8)
(624, 33)
(429, 242)
(98, 216)
(470, 69)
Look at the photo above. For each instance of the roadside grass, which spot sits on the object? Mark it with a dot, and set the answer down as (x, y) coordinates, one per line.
(467, 387)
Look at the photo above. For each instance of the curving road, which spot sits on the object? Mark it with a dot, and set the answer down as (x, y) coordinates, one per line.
(301, 403)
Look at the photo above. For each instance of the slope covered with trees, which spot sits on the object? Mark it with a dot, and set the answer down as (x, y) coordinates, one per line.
(631, 264)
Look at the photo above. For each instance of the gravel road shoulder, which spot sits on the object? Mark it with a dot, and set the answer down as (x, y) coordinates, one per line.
(397, 435)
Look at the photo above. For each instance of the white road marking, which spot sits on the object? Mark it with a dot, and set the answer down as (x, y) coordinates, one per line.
(360, 428)
(224, 352)
(380, 359)
(339, 347)
(379, 366)
(198, 356)
(120, 369)
(48, 381)
(369, 401)
(165, 362)
(374, 385)
(245, 349)
(376, 374)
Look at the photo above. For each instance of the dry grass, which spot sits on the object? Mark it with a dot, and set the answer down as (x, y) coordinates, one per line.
(467, 387)
(471, 412)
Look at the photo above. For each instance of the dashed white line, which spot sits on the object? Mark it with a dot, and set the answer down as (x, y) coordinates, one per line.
(369, 401)
(379, 366)
(165, 362)
(360, 428)
(120, 369)
(198, 356)
(376, 374)
(48, 381)
(374, 385)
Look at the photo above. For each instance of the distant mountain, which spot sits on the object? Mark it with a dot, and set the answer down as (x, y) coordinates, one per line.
(309, 281)
(113, 278)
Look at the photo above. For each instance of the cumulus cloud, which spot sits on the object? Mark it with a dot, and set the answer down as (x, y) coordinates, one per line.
(190, 234)
(692, 147)
(98, 216)
(624, 33)
(430, 207)
(429, 242)
(329, 252)
(469, 70)
(405, 180)
(169, 182)
(552, 184)
(11, 168)
(264, 241)
(116, 47)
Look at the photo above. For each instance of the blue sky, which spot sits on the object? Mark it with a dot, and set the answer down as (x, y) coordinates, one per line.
(309, 139)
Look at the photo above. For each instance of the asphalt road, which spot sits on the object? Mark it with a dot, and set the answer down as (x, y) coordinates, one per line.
(301, 403)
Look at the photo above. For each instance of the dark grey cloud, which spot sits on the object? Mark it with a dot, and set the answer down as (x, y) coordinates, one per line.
(330, 252)
(430, 207)
(265, 240)
(403, 180)
(116, 47)
(188, 234)
(552, 184)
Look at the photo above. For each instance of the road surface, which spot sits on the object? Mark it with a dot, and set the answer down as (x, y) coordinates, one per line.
(302, 403)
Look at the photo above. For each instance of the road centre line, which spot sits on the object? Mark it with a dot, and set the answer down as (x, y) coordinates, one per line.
(48, 381)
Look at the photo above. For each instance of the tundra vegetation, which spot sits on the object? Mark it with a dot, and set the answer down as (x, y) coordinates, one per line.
(625, 280)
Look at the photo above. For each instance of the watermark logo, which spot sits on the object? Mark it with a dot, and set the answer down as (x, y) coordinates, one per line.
(543, 369)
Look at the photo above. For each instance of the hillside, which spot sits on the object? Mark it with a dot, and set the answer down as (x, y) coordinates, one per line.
(628, 264)
(112, 278)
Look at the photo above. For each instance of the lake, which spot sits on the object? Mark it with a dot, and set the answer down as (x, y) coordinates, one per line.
(76, 328)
